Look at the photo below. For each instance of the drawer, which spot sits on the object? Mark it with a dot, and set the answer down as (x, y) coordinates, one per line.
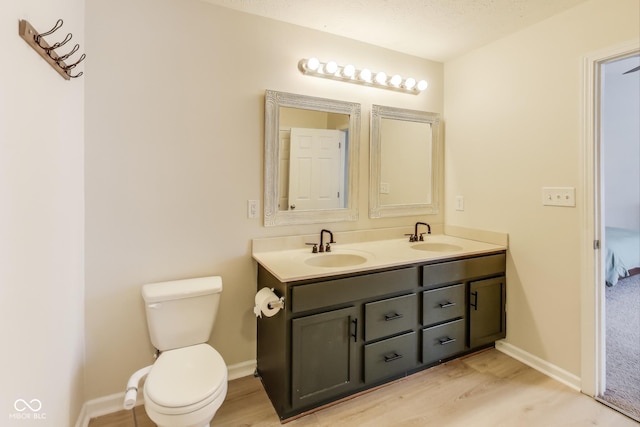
(390, 357)
(457, 271)
(442, 341)
(440, 305)
(340, 291)
(390, 316)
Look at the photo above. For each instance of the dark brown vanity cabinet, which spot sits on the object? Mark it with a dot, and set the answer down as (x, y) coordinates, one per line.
(338, 336)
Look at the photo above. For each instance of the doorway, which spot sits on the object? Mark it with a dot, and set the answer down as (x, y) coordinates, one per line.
(604, 214)
(620, 136)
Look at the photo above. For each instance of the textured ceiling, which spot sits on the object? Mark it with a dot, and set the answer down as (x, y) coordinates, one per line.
(433, 29)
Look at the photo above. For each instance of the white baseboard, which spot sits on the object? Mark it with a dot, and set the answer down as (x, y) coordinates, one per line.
(558, 374)
(114, 402)
(242, 369)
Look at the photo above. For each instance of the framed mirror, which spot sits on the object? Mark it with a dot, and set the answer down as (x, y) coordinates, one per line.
(310, 159)
(405, 152)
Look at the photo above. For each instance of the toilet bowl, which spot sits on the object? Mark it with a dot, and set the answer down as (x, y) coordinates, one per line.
(188, 382)
(185, 387)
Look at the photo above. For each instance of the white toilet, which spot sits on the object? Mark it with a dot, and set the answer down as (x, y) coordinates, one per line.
(188, 382)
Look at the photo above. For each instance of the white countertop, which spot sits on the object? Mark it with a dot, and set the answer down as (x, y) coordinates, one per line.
(291, 264)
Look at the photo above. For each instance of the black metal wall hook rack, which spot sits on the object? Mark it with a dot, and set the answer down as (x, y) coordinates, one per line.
(47, 51)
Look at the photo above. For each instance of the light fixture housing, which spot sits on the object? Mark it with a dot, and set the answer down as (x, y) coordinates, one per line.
(364, 76)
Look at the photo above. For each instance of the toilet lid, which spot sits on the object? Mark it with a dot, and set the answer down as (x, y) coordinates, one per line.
(185, 376)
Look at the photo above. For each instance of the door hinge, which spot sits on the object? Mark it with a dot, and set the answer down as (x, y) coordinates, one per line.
(596, 244)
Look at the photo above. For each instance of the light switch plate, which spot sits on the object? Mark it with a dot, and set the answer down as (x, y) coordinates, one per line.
(252, 209)
(385, 188)
(459, 203)
(559, 196)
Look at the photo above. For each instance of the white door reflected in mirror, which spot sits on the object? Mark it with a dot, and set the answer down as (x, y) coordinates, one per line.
(316, 169)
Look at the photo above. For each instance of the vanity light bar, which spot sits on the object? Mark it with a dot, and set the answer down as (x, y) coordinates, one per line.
(349, 73)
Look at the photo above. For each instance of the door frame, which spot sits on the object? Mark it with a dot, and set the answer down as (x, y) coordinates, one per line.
(593, 342)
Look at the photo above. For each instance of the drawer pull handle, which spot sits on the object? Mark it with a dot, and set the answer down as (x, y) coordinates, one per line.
(395, 316)
(447, 304)
(447, 340)
(391, 358)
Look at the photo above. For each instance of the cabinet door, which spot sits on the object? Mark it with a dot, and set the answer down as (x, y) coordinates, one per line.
(487, 318)
(323, 355)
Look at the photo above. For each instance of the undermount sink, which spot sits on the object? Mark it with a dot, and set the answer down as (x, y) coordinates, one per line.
(436, 247)
(335, 260)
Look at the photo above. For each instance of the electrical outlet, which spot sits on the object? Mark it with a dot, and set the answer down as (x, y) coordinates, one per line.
(384, 188)
(559, 196)
(252, 209)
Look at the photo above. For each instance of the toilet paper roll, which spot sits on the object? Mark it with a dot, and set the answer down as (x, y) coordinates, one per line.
(264, 297)
(130, 398)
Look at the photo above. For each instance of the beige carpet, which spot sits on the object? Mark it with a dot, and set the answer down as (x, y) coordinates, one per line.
(623, 345)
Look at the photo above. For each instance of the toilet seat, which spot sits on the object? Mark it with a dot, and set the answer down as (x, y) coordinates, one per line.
(185, 380)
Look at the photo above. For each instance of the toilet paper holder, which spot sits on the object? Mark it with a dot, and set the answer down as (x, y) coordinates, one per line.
(277, 304)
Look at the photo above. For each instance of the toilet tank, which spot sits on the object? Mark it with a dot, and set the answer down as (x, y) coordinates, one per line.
(181, 313)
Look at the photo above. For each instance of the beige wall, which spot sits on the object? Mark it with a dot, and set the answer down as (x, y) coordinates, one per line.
(513, 125)
(41, 221)
(174, 149)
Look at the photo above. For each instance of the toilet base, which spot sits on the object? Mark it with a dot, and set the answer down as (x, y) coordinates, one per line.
(200, 418)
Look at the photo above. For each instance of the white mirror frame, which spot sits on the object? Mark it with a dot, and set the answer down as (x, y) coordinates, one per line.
(272, 216)
(376, 210)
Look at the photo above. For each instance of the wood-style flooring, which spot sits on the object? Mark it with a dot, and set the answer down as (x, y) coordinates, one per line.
(487, 388)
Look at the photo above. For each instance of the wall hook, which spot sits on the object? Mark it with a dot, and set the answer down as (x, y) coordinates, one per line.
(45, 50)
(76, 76)
(59, 44)
(64, 57)
(69, 67)
(39, 36)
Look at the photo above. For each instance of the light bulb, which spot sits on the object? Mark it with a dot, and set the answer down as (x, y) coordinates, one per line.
(331, 67)
(395, 80)
(422, 85)
(410, 83)
(312, 64)
(349, 71)
(365, 75)
(381, 77)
